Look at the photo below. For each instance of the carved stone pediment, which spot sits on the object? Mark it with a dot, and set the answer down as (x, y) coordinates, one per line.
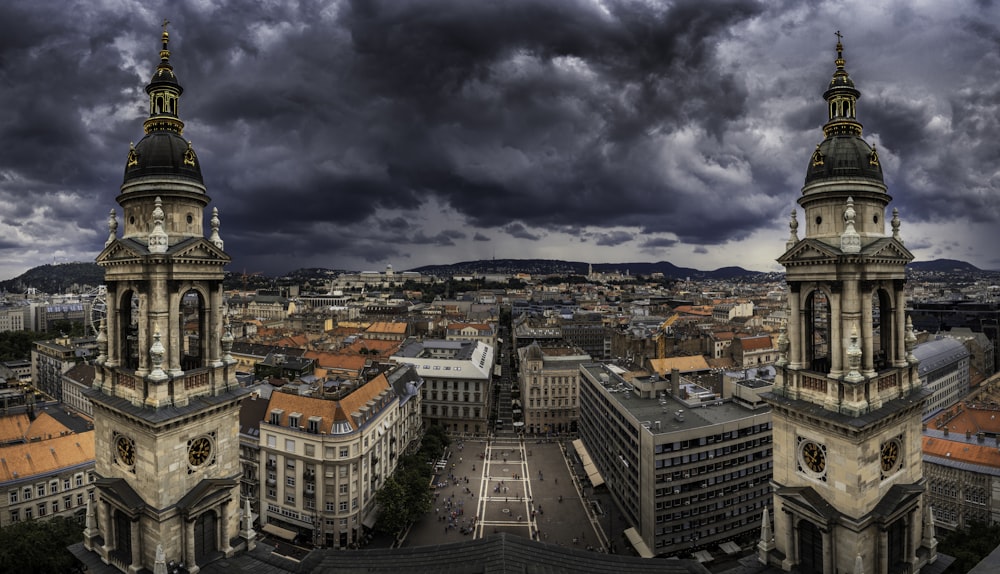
(121, 251)
(809, 251)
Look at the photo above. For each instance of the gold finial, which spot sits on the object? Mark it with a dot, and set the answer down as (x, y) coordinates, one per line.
(840, 49)
(165, 38)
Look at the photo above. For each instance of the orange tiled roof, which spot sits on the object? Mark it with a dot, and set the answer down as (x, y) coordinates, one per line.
(45, 456)
(13, 427)
(393, 327)
(339, 361)
(45, 426)
(962, 451)
(328, 410)
(476, 326)
(756, 343)
(384, 348)
(682, 364)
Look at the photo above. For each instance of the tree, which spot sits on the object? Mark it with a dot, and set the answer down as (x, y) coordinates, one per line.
(39, 545)
(393, 515)
(969, 546)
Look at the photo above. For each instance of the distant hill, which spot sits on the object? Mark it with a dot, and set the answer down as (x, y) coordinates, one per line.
(55, 278)
(943, 266)
(554, 266)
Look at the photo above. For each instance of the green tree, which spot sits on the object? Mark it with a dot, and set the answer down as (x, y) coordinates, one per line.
(969, 546)
(39, 545)
(393, 515)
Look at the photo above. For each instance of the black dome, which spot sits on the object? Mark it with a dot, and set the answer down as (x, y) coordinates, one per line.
(164, 76)
(163, 153)
(842, 156)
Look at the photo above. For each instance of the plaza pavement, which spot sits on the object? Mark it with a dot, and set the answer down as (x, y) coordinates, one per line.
(512, 487)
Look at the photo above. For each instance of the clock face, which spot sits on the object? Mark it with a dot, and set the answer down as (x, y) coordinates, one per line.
(199, 451)
(813, 457)
(125, 450)
(890, 455)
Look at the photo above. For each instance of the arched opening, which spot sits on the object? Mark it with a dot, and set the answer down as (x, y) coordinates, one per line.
(817, 332)
(193, 329)
(882, 332)
(205, 537)
(128, 329)
(810, 548)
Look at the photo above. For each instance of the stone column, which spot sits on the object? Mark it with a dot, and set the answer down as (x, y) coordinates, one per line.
(836, 336)
(224, 545)
(111, 321)
(899, 328)
(883, 549)
(144, 335)
(867, 334)
(136, 540)
(829, 555)
(189, 556)
(176, 336)
(795, 327)
(104, 525)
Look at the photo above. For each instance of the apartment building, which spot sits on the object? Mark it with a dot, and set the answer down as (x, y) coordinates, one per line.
(689, 469)
(549, 378)
(457, 382)
(323, 459)
(48, 466)
(944, 369)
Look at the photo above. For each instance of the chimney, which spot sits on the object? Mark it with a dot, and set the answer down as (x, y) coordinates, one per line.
(945, 429)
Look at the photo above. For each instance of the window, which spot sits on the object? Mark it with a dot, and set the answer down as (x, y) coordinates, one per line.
(26, 493)
(343, 506)
(271, 492)
(343, 489)
(15, 516)
(290, 499)
(41, 491)
(290, 481)
(293, 420)
(329, 452)
(310, 504)
(41, 510)
(354, 503)
(289, 445)
(66, 484)
(54, 486)
(276, 416)
(272, 441)
(79, 480)
(13, 496)
(55, 506)
(90, 477)
(27, 514)
(330, 506)
(79, 500)
(68, 502)
(344, 452)
(314, 424)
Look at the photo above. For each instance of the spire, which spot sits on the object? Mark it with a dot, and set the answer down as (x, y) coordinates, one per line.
(793, 236)
(158, 237)
(842, 98)
(164, 93)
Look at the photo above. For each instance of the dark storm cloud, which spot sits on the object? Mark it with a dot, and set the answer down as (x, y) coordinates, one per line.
(518, 230)
(377, 129)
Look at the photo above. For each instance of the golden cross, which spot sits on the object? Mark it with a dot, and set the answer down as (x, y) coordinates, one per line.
(165, 22)
(837, 34)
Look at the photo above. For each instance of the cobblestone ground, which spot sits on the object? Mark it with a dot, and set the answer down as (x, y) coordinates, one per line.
(506, 485)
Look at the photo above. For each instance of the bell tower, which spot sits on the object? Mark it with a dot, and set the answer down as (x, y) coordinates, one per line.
(846, 406)
(165, 396)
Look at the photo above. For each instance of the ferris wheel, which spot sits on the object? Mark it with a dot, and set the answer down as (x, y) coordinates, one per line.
(98, 297)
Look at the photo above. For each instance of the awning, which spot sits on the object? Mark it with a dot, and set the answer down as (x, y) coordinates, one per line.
(369, 520)
(278, 531)
(588, 465)
(703, 556)
(633, 537)
(730, 547)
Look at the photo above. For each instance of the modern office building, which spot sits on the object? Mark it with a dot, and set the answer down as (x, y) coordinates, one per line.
(943, 370)
(688, 468)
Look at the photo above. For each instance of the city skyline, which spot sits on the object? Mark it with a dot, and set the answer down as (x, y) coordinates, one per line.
(359, 135)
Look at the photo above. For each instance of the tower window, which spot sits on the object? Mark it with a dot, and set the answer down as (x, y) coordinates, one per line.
(819, 219)
(875, 218)
(190, 219)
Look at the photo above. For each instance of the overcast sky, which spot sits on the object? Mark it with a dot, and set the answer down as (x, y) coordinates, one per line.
(410, 132)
